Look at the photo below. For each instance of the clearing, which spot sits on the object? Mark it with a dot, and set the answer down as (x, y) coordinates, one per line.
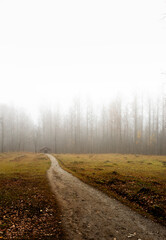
(28, 209)
(139, 181)
(90, 214)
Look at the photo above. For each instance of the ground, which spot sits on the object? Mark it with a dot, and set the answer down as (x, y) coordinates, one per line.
(136, 180)
(90, 214)
(28, 209)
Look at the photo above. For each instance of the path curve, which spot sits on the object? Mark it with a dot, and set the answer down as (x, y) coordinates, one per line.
(89, 214)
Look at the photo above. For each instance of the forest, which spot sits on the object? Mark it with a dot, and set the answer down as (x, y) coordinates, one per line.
(137, 126)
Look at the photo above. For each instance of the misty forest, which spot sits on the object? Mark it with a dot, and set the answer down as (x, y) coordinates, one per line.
(83, 120)
(138, 126)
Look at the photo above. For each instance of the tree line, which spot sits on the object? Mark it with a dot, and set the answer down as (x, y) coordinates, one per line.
(138, 126)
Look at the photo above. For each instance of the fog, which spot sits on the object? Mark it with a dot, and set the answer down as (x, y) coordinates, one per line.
(80, 73)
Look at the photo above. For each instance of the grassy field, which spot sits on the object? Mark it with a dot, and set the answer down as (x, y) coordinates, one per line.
(28, 209)
(139, 181)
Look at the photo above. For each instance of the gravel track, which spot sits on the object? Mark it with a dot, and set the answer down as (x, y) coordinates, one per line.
(89, 214)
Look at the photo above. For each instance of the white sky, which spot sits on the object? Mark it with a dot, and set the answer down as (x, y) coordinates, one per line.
(51, 51)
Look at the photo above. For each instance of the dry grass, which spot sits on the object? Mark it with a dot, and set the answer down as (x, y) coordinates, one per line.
(137, 180)
(28, 209)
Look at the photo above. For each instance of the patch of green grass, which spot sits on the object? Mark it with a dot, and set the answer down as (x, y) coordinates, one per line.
(28, 209)
(137, 180)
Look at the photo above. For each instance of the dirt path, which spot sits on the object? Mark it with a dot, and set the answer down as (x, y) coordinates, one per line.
(90, 214)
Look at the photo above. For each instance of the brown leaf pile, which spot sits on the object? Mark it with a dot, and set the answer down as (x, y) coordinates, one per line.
(33, 214)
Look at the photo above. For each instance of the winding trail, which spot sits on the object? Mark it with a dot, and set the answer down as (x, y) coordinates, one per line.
(89, 214)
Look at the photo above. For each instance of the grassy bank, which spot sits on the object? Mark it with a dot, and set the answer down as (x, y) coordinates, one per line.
(28, 209)
(136, 180)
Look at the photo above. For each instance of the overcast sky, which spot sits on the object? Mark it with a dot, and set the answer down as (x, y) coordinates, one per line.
(53, 50)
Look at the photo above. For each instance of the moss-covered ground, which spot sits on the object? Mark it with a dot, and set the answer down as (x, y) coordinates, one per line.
(28, 209)
(139, 181)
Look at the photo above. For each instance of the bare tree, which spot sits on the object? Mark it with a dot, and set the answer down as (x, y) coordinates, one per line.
(2, 134)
